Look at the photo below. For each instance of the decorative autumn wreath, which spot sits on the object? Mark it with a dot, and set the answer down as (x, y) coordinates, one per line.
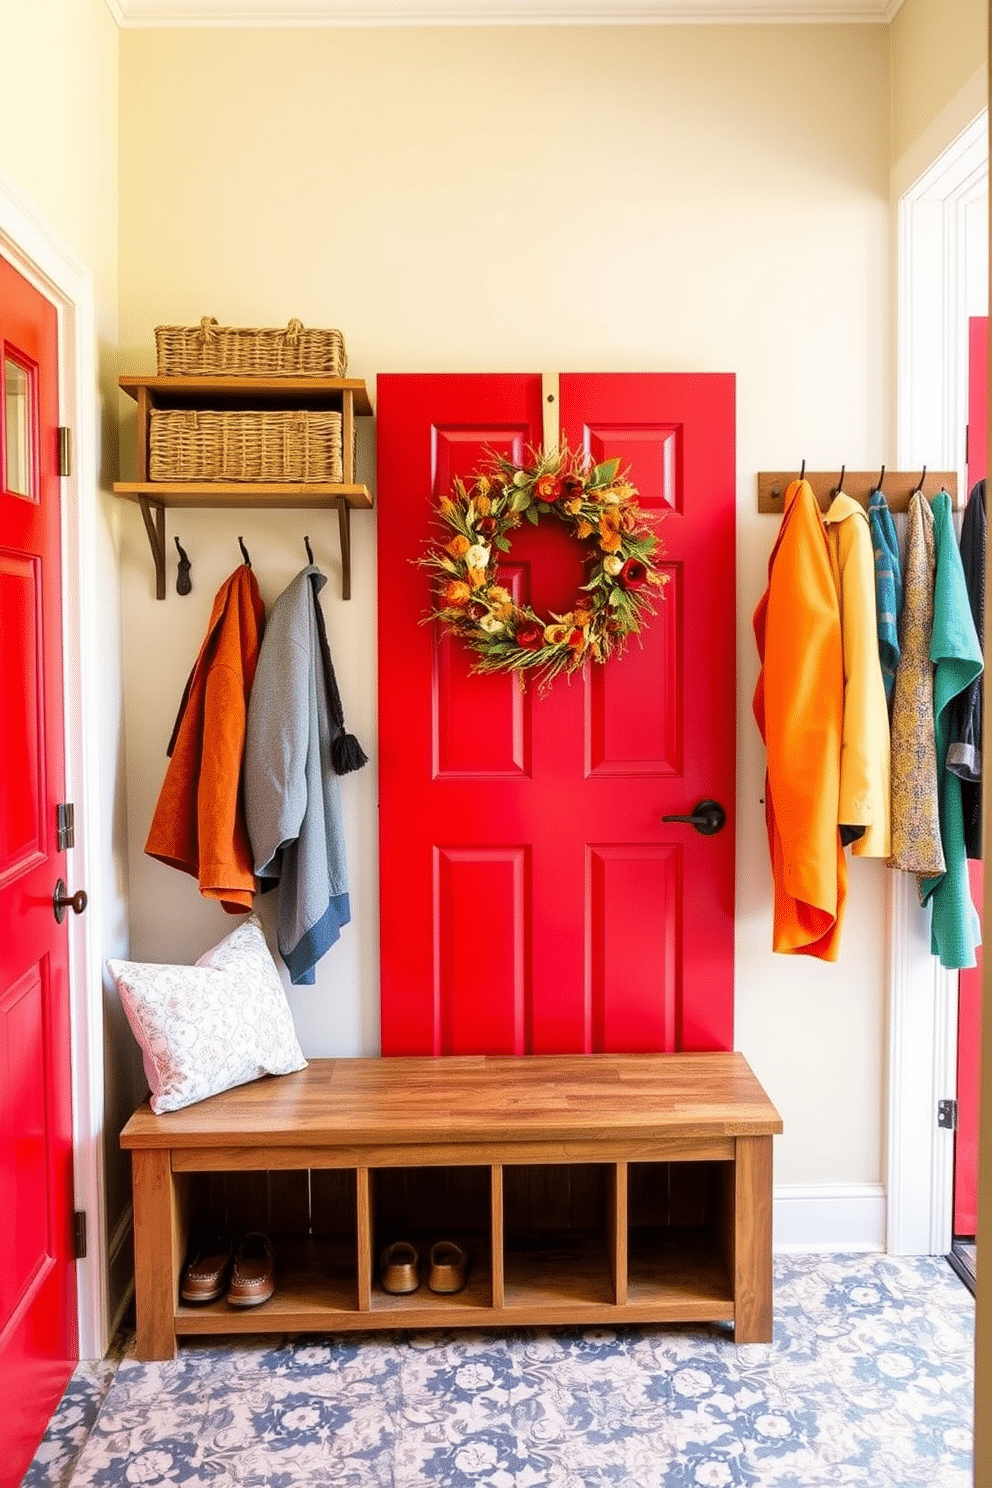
(598, 506)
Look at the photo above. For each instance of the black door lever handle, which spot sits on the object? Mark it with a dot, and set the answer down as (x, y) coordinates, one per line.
(708, 818)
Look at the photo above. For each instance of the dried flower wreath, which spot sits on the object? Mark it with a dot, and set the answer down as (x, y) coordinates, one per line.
(599, 507)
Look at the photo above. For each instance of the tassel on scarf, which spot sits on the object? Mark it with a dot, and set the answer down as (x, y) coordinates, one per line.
(347, 754)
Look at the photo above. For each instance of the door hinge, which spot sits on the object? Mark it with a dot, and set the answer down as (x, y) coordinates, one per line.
(79, 1233)
(65, 450)
(947, 1114)
(65, 822)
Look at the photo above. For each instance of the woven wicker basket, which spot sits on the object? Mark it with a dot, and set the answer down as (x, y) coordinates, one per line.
(210, 350)
(245, 445)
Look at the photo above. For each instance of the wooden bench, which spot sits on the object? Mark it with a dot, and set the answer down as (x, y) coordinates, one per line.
(597, 1189)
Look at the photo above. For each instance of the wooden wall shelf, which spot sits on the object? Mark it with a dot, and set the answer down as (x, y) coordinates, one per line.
(275, 392)
(347, 394)
(597, 1189)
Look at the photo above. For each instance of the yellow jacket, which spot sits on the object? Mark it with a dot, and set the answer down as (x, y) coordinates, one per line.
(864, 750)
(799, 705)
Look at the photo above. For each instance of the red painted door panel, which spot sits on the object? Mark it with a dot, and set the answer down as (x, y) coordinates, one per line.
(532, 900)
(978, 381)
(970, 982)
(969, 1080)
(38, 1340)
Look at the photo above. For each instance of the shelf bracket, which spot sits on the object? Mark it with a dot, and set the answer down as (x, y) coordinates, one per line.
(344, 533)
(153, 515)
(155, 527)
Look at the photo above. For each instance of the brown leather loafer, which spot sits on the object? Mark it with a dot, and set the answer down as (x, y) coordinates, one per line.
(449, 1267)
(253, 1279)
(205, 1273)
(398, 1267)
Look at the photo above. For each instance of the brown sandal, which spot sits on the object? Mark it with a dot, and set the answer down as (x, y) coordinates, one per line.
(398, 1267)
(449, 1266)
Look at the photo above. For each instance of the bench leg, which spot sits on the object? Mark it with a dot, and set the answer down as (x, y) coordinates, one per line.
(157, 1255)
(752, 1247)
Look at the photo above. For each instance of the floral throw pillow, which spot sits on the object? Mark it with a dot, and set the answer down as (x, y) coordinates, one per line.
(205, 1028)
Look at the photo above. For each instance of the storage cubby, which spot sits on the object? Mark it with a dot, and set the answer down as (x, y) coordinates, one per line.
(557, 1241)
(679, 1233)
(311, 1219)
(597, 1190)
(426, 1205)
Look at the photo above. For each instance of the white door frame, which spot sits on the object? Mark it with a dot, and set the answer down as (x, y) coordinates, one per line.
(37, 253)
(932, 416)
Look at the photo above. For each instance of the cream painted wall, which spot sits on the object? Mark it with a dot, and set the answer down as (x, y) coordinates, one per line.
(700, 199)
(58, 150)
(937, 46)
(58, 78)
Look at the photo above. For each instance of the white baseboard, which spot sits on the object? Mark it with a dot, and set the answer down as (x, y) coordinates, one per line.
(829, 1217)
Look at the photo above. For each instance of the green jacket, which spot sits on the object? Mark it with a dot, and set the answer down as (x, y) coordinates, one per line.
(956, 653)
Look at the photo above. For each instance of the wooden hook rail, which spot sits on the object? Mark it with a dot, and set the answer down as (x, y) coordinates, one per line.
(897, 486)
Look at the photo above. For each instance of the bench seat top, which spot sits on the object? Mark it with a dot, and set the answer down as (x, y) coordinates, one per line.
(474, 1099)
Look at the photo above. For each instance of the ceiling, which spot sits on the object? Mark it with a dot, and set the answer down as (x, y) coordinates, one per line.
(494, 12)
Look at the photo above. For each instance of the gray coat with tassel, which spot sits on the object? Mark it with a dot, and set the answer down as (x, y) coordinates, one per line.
(292, 801)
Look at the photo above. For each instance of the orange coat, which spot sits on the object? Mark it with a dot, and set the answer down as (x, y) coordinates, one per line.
(199, 822)
(799, 707)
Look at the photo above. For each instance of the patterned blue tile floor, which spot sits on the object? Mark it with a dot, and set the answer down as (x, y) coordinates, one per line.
(868, 1382)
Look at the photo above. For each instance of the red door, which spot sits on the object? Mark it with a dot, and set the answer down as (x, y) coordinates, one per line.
(38, 1338)
(970, 982)
(532, 899)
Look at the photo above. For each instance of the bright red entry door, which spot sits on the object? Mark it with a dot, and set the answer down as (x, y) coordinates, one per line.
(532, 899)
(38, 1338)
(970, 981)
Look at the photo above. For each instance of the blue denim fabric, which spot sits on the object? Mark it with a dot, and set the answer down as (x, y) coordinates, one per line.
(888, 587)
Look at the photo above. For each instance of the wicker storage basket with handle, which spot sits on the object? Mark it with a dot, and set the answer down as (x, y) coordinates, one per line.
(212, 350)
(245, 445)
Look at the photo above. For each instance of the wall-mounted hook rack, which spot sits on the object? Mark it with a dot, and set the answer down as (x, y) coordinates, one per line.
(858, 484)
(348, 394)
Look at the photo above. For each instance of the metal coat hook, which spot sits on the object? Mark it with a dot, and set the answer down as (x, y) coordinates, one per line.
(306, 544)
(183, 581)
(244, 552)
(840, 484)
(777, 493)
(922, 479)
(881, 477)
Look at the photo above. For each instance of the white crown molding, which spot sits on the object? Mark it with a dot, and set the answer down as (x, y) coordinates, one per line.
(289, 13)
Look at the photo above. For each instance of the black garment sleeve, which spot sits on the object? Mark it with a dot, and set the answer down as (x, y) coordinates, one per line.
(964, 755)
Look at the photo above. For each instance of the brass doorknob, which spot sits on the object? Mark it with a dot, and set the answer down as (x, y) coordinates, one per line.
(61, 901)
